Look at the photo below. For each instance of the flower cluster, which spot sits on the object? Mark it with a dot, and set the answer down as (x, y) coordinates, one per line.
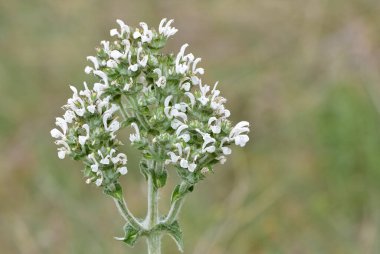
(87, 132)
(176, 118)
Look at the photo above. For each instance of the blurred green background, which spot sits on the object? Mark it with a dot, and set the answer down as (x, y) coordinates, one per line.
(306, 75)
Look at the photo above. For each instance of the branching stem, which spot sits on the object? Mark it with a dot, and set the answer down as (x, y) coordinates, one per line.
(126, 214)
(176, 206)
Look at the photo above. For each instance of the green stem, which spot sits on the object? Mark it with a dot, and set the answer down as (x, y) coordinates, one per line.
(176, 206)
(152, 215)
(174, 210)
(124, 113)
(152, 218)
(154, 243)
(126, 214)
(142, 121)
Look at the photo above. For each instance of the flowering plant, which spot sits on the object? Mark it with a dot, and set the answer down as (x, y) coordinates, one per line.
(178, 124)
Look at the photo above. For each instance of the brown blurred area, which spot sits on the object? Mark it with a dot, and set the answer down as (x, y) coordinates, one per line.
(304, 73)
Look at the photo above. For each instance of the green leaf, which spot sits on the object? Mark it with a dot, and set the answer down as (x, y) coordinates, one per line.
(174, 231)
(157, 43)
(159, 178)
(114, 190)
(131, 235)
(175, 194)
(144, 169)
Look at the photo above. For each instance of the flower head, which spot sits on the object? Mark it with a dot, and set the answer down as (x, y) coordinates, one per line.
(175, 117)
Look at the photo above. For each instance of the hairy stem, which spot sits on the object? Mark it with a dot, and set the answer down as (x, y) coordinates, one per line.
(126, 214)
(152, 218)
(123, 111)
(154, 243)
(152, 215)
(176, 206)
(139, 117)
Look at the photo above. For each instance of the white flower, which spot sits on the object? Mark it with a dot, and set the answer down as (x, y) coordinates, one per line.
(181, 68)
(204, 90)
(122, 170)
(86, 92)
(208, 142)
(191, 97)
(105, 159)
(141, 61)
(114, 125)
(132, 67)
(189, 58)
(123, 29)
(166, 29)
(161, 82)
(62, 151)
(111, 64)
(88, 69)
(178, 110)
(120, 158)
(95, 166)
(94, 61)
(176, 123)
(184, 163)
(191, 167)
(239, 128)
(99, 88)
(69, 116)
(55, 133)
(135, 137)
(114, 32)
(128, 85)
(82, 139)
(106, 46)
(222, 159)
(185, 136)
(99, 181)
(146, 35)
(185, 84)
(75, 101)
(226, 150)
(115, 54)
(195, 69)
(103, 76)
(167, 107)
(195, 80)
(174, 157)
(217, 102)
(236, 133)
(241, 140)
(103, 103)
(215, 128)
(174, 112)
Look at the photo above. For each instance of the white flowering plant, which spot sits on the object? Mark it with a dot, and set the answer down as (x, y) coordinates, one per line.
(178, 124)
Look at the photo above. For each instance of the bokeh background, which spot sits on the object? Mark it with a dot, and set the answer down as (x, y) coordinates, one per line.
(306, 75)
